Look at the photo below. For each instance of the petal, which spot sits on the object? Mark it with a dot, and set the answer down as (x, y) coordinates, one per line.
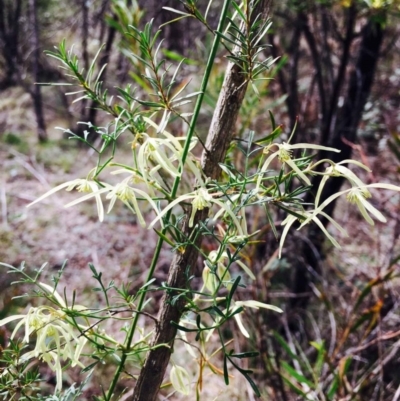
(357, 163)
(265, 167)
(165, 163)
(52, 191)
(147, 197)
(100, 208)
(347, 173)
(89, 196)
(311, 146)
(246, 269)
(288, 224)
(374, 211)
(292, 164)
(58, 369)
(240, 325)
(28, 355)
(138, 212)
(235, 220)
(195, 170)
(112, 202)
(211, 331)
(170, 206)
(383, 186)
(187, 345)
(78, 351)
(318, 222)
(169, 136)
(257, 304)
(371, 209)
(141, 162)
(320, 188)
(331, 199)
(55, 294)
(192, 214)
(10, 319)
(335, 223)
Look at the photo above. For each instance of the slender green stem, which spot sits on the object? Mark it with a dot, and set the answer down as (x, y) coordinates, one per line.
(197, 108)
(174, 191)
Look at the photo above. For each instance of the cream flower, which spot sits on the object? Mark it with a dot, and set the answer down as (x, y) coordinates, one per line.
(307, 217)
(284, 154)
(153, 150)
(124, 192)
(81, 185)
(338, 170)
(55, 337)
(177, 154)
(250, 304)
(201, 199)
(235, 306)
(211, 280)
(356, 195)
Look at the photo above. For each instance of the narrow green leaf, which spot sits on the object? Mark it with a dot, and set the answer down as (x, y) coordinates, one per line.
(271, 137)
(226, 374)
(271, 116)
(218, 311)
(239, 11)
(183, 328)
(232, 291)
(298, 390)
(252, 384)
(333, 388)
(298, 376)
(249, 354)
(285, 345)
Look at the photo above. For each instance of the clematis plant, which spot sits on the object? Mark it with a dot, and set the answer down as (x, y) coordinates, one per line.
(201, 199)
(56, 338)
(284, 153)
(233, 185)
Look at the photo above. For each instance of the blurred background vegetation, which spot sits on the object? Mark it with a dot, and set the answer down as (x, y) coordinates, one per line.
(337, 76)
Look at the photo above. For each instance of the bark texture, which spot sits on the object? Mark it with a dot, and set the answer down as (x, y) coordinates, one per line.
(35, 92)
(218, 140)
(10, 14)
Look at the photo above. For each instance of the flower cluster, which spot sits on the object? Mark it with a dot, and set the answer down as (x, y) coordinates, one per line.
(284, 155)
(157, 158)
(56, 339)
(151, 182)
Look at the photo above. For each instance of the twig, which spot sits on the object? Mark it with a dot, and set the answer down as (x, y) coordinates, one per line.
(384, 337)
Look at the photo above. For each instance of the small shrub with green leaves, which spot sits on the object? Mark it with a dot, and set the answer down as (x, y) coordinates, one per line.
(184, 199)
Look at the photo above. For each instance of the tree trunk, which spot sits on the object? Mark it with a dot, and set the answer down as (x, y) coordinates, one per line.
(9, 39)
(347, 121)
(218, 140)
(35, 92)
